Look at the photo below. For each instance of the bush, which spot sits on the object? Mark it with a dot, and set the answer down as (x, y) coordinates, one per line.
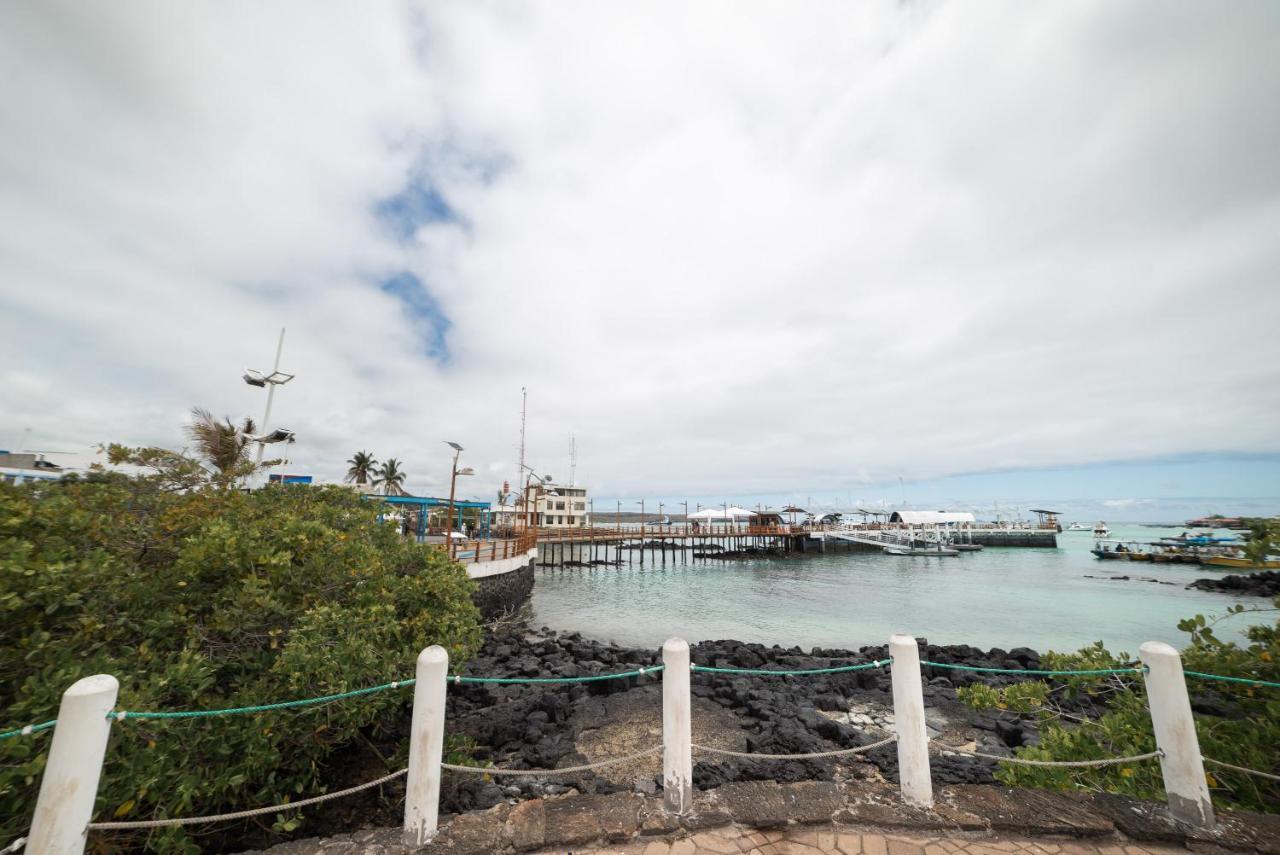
(1236, 723)
(204, 599)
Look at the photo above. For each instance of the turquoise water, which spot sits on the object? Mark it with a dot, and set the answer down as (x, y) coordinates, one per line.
(1006, 598)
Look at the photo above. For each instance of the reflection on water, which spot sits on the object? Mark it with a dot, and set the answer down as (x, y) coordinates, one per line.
(995, 598)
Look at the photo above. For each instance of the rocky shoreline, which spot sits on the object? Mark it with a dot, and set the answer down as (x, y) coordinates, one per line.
(1264, 584)
(545, 726)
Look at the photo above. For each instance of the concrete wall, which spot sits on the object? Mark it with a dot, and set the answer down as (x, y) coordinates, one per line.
(502, 587)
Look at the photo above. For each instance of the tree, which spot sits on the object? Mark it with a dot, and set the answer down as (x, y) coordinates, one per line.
(220, 444)
(391, 478)
(363, 468)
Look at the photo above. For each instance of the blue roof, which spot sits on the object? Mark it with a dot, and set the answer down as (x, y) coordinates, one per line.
(429, 501)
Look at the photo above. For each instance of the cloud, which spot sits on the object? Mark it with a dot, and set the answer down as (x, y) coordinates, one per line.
(728, 250)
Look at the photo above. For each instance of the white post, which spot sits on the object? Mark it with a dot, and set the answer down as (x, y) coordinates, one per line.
(677, 755)
(70, 783)
(1184, 782)
(426, 747)
(908, 719)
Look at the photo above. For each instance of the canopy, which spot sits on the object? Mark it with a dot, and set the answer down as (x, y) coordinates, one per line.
(718, 514)
(930, 517)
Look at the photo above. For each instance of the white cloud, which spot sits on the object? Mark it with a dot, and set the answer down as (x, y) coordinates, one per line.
(729, 250)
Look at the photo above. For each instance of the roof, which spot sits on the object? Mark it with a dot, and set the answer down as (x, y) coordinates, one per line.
(428, 501)
(931, 517)
(1043, 511)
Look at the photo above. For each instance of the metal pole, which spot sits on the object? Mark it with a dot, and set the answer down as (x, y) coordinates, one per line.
(453, 480)
(1175, 728)
(908, 717)
(426, 747)
(271, 393)
(70, 783)
(677, 753)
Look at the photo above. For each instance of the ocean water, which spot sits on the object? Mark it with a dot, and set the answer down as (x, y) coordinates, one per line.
(999, 597)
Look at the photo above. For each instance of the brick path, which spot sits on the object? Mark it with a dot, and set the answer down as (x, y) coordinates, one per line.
(744, 841)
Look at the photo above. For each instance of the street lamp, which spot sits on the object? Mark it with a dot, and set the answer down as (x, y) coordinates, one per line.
(276, 378)
(453, 481)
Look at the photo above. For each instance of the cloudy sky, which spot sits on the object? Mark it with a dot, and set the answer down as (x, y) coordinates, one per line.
(741, 250)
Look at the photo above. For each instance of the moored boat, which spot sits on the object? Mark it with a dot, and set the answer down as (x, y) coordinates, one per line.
(1101, 530)
(909, 550)
(1241, 563)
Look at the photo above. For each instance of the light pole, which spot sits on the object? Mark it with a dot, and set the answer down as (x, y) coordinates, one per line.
(271, 381)
(453, 481)
(641, 503)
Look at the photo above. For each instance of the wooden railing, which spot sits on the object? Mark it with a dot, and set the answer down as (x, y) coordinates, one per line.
(493, 549)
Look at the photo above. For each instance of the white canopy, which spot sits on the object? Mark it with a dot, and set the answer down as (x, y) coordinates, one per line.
(720, 514)
(931, 517)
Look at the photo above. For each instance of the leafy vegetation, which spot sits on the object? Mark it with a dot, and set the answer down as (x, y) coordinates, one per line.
(199, 597)
(1236, 723)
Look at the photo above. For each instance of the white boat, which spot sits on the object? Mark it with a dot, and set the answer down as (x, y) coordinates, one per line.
(907, 550)
(1079, 526)
(1101, 530)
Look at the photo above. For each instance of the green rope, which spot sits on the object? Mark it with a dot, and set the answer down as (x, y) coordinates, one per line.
(29, 729)
(880, 663)
(651, 669)
(1245, 680)
(122, 715)
(1094, 672)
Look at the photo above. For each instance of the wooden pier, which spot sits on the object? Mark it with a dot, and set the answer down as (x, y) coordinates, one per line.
(678, 543)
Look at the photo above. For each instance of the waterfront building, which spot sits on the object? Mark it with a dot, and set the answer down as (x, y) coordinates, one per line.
(16, 467)
(557, 505)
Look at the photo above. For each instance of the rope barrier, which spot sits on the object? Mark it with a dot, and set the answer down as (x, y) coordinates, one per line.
(1245, 680)
(763, 672)
(1257, 772)
(639, 672)
(243, 814)
(121, 715)
(567, 770)
(1088, 673)
(27, 731)
(14, 846)
(1063, 764)
(814, 755)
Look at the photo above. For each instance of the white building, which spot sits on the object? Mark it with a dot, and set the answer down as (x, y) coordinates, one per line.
(557, 506)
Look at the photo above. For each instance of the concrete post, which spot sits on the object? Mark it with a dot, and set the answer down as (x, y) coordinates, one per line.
(1184, 781)
(426, 747)
(677, 755)
(69, 787)
(908, 718)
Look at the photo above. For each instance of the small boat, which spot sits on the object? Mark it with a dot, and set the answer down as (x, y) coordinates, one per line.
(1101, 530)
(1242, 563)
(1078, 526)
(967, 547)
(911, 550)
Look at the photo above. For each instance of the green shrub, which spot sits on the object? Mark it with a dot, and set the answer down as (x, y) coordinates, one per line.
(204, 599)
(1236, 723)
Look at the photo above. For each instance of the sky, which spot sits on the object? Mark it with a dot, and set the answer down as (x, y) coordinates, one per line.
(921, 252)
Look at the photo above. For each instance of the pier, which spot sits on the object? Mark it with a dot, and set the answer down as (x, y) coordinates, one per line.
(643, 543)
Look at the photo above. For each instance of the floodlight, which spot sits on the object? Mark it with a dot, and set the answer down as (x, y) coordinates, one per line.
(453, 445)
(466, 470)
(254, 378)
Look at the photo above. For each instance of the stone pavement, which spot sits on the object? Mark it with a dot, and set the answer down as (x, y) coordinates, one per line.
(736, 840)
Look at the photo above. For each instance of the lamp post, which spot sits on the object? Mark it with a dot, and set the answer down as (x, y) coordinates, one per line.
(453, 481)
(271, 381)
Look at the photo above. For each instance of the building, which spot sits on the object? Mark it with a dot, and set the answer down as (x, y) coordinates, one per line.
(16, 467)
(557, 506)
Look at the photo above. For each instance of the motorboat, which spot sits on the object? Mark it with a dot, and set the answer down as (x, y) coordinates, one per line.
(1241, 563)
(1101, 530)
(912, 550)
(967, 547)
(1079, 526)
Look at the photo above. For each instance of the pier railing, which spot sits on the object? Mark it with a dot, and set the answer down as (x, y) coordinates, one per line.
(87, 715)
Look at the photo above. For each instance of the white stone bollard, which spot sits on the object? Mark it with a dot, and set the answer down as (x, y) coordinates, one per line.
(677, 755)
(69, 787)
(908, 719)
(1175, 728)
(426, 747)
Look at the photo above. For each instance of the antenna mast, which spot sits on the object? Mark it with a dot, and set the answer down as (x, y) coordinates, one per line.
(573, 457)
(524, 403)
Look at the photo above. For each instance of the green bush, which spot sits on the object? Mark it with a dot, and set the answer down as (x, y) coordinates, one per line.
(1236, 723)
(203, 599)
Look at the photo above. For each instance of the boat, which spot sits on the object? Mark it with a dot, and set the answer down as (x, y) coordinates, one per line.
(1242, 563)
(1101, 530)
(1078, 526)
(1104, 551)
(967, 547)
(911, 550)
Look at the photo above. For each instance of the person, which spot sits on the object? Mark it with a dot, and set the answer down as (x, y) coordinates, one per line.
(1120, 548)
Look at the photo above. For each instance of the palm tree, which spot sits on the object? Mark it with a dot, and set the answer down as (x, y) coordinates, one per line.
(363, 468)
(220, 444)
(391, 478)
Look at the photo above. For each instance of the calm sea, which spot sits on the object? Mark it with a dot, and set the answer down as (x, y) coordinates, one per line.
(1006, 598)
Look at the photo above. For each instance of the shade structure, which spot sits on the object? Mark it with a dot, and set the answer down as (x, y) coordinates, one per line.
(708, 514)
(736, 512)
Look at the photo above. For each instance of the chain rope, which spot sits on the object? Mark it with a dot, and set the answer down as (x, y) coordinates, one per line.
(567, 770)
(1064, 764)
(1257, 772)
(243, 814)
(814, 755)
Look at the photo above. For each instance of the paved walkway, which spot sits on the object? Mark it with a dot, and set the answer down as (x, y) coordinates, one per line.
(796, 841)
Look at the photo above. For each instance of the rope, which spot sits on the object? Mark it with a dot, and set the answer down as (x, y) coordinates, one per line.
(1247, 681)
(639, 672)
(14, 846)
(1092, 672)
(482, 770)
(121, 715)
(879, 663)
(1242, 769)
(861, 749)
(226, 817)
(27, 731)
(1066, 764)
